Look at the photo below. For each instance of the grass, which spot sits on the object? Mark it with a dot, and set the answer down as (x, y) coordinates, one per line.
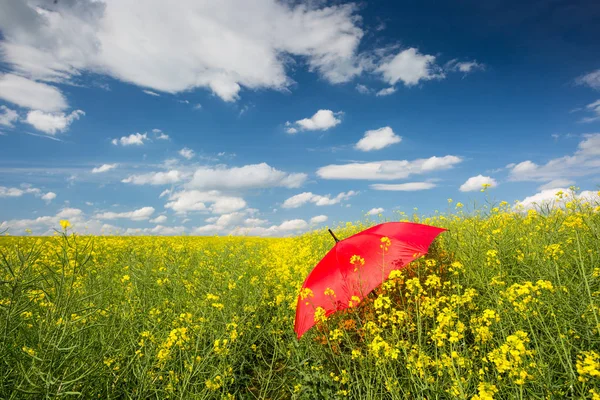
(506, 305)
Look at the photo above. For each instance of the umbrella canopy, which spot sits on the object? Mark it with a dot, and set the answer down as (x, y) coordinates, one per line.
(357, 265)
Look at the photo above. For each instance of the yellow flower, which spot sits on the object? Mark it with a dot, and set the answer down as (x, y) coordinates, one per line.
(320, 315)
(588, 365)
(385, 243)
(354, 300)
(64, 223)
(29, 351)
(485, 391)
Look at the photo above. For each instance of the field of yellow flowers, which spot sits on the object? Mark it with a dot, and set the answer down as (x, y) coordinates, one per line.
(505, 306)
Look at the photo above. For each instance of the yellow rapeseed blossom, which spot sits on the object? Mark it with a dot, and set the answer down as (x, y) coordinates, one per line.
(588, 365)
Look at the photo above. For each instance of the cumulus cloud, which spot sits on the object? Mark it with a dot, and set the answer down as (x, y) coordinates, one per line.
(159, 220)
(28, 93)
(135, 139)
(8, 116)
(254, 222)
(211, 201)
(409, 67)
(154, 178)
(319, 219)
(477, 182)
(375, 211)
(386, 91)
(253, 176)
(285, 228)
(308, 197)
(404, 187)
(585, 161)
(47, 225)
(556, 183)
(52, 123)
(187, 153)
(104, 168)
(25, 189)
(160, 135)
(231, 223)
(556, 197)
(248, 48)
(141, 214)
(387, 170)
(48, 197)
(378, 139)
(322, 120)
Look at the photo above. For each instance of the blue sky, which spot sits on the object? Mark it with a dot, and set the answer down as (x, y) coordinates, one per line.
(273, 118)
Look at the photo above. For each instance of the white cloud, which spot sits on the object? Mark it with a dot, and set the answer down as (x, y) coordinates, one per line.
(378, 139)
(222, 47)
(404, 187)
(18, 192)
(477, 182)
(254, 222)
(556, 183)
(252, 176)
(8, 116)
(409, 66)
(375, 211)
(151, 93)
(165, 230)
(136, 139)
(322, 120)
(137, 215)
(104, 168)
(48, 197)
(293, 225)
(319, 219)
(593, 108)
(196, 200)
(464, 66)
(387, 170)
(159, 219)
(155, 178)
(548, 198)
(52, 123)
(362, 89)
(45, 225)
(187, 153)
(592, 79)
(285, 228)
(160, 135)
(584, 162)
(30, 94)
(386, 92)
(308, 197)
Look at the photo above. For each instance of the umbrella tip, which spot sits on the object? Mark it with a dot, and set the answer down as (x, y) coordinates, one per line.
(334, 237)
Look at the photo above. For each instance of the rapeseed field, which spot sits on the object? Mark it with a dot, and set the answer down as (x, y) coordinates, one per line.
(505, 306)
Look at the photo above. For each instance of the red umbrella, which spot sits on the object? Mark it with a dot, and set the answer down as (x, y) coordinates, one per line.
(357, 265)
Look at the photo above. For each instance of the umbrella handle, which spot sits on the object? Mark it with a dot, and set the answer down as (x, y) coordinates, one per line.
(332, 234)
